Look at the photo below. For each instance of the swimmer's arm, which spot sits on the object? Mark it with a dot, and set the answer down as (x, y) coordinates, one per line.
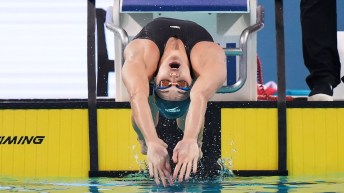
(208, 62)
(136, 80)
(210, 66)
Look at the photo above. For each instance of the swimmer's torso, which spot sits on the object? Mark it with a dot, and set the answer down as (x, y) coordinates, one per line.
(161, 29)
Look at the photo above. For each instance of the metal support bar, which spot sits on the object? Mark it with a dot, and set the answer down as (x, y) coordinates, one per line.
(232, 51)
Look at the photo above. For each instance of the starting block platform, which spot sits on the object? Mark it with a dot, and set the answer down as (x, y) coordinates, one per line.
(231, 23)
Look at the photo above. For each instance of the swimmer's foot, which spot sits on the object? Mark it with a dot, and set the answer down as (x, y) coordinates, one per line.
(143, 146)
(200, 149)
(200, 153)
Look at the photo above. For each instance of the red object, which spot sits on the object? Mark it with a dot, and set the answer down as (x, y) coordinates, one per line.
(266, 93)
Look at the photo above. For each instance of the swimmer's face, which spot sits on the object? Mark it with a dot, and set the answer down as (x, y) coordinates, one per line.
(174, 67)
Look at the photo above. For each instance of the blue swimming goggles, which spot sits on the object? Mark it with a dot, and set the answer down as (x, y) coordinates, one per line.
(181, 84)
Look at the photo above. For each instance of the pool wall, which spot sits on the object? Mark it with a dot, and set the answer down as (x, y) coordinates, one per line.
(51, 138)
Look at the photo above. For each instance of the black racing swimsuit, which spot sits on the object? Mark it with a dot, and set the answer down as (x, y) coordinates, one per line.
(161, 29)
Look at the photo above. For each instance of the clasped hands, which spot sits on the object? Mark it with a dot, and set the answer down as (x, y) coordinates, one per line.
(185, 155)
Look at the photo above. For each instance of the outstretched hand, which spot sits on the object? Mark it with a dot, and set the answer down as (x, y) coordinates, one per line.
(186, 155)
(159, 162)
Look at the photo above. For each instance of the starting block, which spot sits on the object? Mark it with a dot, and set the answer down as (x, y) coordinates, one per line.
(231, 23)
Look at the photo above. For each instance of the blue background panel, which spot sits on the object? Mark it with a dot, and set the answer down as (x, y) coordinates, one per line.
(296, 71)
(184, 5)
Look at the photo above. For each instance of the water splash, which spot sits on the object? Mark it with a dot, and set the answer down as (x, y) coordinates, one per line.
(143, 173)
(141, 163)
(226, 165)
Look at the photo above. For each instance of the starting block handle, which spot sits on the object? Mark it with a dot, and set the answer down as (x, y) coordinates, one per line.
(242, 52)
(112, 23)
(120, 32)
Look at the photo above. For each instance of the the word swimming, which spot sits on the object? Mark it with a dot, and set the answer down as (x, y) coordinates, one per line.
(21, 140)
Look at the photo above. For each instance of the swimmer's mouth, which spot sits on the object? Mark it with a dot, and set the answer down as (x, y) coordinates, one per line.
(174, 65)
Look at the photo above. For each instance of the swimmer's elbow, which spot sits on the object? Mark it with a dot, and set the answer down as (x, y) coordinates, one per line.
(138, 97)
(200, 96)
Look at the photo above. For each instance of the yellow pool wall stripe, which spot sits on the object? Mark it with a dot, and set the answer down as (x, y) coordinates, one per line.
(249, 138)
(315, 141)
(64, 151)
(118, 146)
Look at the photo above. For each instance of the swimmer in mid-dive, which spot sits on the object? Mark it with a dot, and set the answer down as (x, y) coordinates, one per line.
(186, 68)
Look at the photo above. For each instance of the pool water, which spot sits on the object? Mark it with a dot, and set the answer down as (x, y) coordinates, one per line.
(280, 184)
